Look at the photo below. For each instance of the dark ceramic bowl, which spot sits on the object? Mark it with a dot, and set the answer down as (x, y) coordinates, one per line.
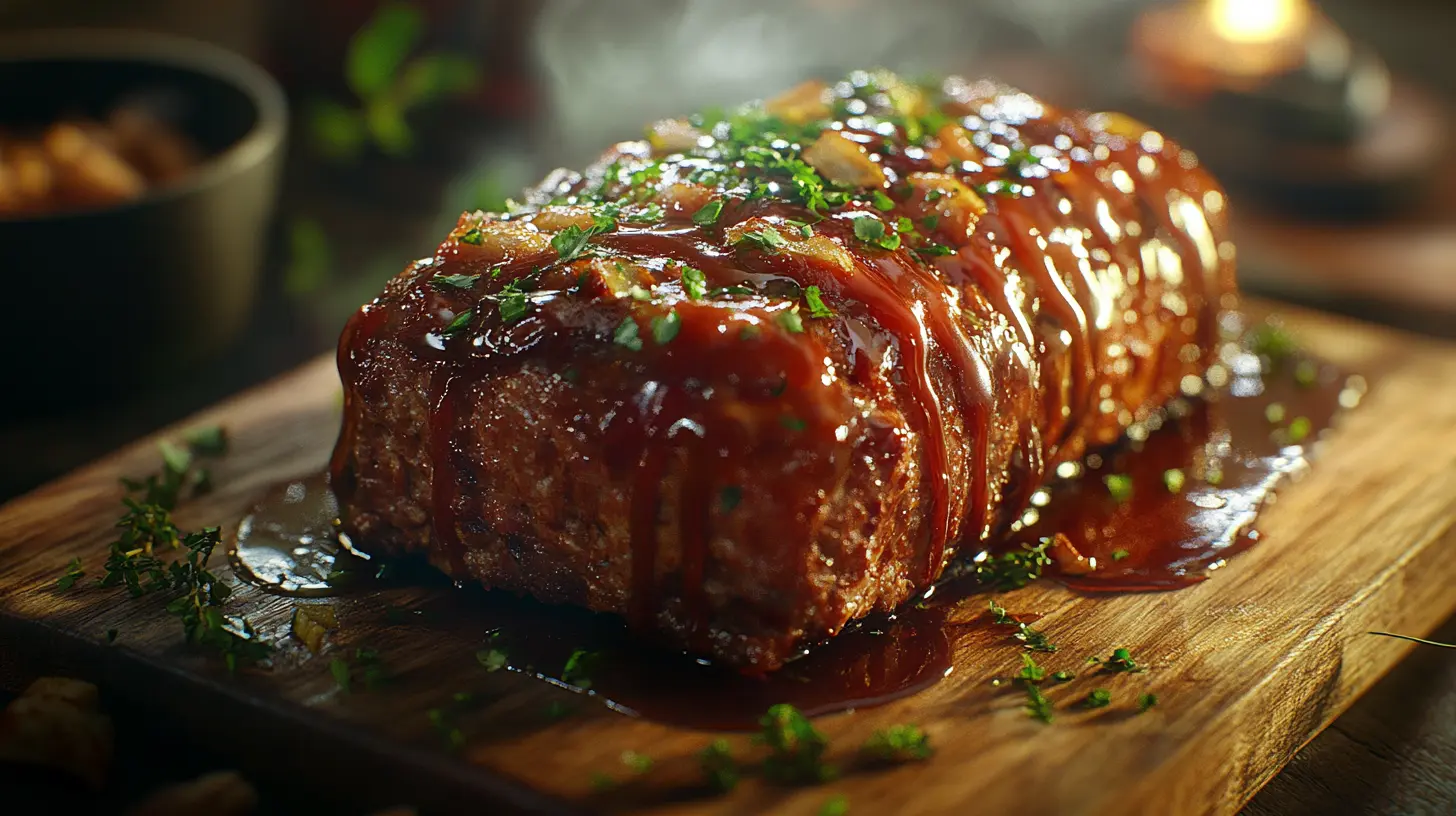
(97, 299)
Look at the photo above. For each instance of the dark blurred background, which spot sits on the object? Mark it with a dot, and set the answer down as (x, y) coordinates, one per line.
(1331, 124)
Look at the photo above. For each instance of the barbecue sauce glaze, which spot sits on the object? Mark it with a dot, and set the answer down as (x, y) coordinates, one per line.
(1014, 246)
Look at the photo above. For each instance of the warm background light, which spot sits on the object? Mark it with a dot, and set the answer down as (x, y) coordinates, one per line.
(1257, 21)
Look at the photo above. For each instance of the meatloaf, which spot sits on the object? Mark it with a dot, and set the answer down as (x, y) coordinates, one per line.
(766, 371)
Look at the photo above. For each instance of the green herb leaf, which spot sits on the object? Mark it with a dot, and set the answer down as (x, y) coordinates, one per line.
(934, 250)
(796, 748)
(492, 659)
(1306, 373)
(1173, 479)
(1063, 676)
(729, 497)
(1270, 340)
(790, 320)
(639, 763)
(72, 574)
(694, 283)
(665, 327)
(339, 668)
(207, 440)
(882, 202)
(1299, 428)
(626, 334)
(1037, 706)
(1097, 698)
(459, 324)
(1030, 671)
(1146, 701)
(1014, 569)
(578, 668)
(719, 768)
(898, 743)
(1119, 485)
(708, 215)
(816, 303)
(765, 239)
(1120, 662)
(571, 242)
(836, 805)
(443, 282)
(472, 237)
(1118, 555)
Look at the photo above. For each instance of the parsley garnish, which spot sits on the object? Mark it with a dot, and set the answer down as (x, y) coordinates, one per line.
(665, 327)
(1118, 555)
(1097, 698)
(457, 325)
(639, 763)
(934, 250)
(472, 237)
(454, 281)
(719, 768)
(626, 334)
(1063, 676)
(1271, 341)
(790, 320)
(1030, 671)
(694, 283)
(512, 302)
(882, 202)
(898, 743)
(208, 440)
(708, 215)
(765, 239)
(572, 241)
(836, 805)
(492, 659)
(816, 303)
(1034, 639)
(343, 675)
(1120, 662)
(872, 230)
(729, 497)
(1014, 569)
(1146, 701)
(73, 574)
(796, 748)
(1173, 480)
(1119, 485)
(1037, 706)
(578, 668)
(1306, 373)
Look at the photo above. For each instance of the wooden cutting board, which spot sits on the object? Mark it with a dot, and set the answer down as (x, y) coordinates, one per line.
(1248, 666)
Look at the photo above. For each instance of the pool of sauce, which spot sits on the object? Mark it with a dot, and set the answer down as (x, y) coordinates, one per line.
(1230, 447)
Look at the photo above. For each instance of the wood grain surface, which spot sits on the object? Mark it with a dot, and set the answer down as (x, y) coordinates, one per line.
(1248, 666)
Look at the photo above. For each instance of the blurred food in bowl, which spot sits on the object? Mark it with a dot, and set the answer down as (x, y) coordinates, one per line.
(139, 180)
(83, 163)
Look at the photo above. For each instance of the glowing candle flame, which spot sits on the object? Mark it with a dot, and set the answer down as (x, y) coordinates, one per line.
(1258, 21)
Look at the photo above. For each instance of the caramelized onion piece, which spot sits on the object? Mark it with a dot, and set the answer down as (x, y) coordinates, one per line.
(844, 161)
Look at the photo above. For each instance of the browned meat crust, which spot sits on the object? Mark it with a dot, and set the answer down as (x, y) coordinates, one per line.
(742, 429)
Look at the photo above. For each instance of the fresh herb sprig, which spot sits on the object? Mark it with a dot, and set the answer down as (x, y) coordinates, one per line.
(796, 747)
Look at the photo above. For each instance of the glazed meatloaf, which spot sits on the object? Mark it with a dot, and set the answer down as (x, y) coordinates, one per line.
(765, 372)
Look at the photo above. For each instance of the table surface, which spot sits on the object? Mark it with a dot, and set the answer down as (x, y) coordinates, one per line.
(1393, 752)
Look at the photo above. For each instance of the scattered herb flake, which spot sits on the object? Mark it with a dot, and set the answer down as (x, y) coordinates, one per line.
(1097, 698)
(719, 768)
(1030, 671)
(665, 327)
(1014, 569)
(1118, 555)
(882, 202)
(708, 215)
(694, 283)
(1120, 662)
(836, 805)
(472, 237)
(626, 334)
(816, 303)
(729, 497)
(796, 748)
(571, 242)
(72, 574)
(898, 743)
(639, 763)
(765, 239)
(458, 324)
(790, 320)
(1272, 341)
(492, 659)
(1037, 706)
(1063, 676)
(1306, 373)
(454, 281)
(1146, 701)
(934, 250)
(578, 668)
(1173, 479)
(343, 676)
(1119, 486)
(207, 440)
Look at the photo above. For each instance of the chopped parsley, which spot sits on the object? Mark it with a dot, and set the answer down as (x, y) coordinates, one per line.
(1119, 486)
(836, 805)
(816, 303)
(459, 324)
(1030, 671)
(898, 743)
(765, 239)
(626, 334)
(1014, 569)
(1063, 676)
(1173, 479)
(796, 747)
(729, 498)
(934, 250)
(443, 282)
(72, 574)
(665, 327)
(343, 676)
(1034, 639)
(882, 202)
(1272, 341)
(719, 768)
(571, 242)
(694, 283)
(492, 659)
(1097, 698)
(1146, 701)
(872, 231)
(512, 302)
(578, 668)
(1037, 706)
(1120, 662)
(472, 237)
(791, 321)
(1274, 413)
(1299, 428)
(639, 763)
(708, 215)
(1118, 555)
